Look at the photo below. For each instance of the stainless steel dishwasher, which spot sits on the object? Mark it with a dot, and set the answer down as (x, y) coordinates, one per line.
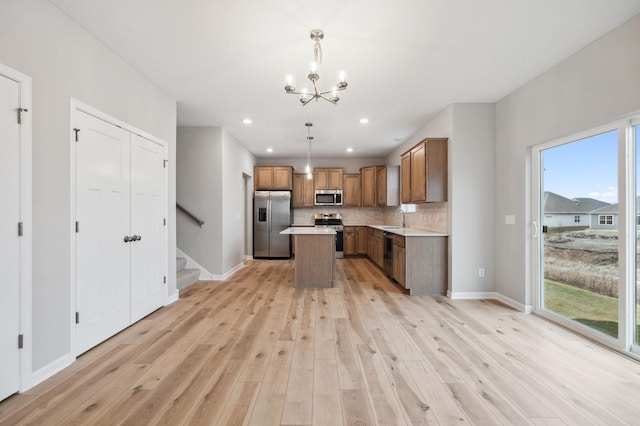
(388, 253)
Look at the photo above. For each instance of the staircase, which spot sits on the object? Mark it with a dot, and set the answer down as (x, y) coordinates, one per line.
(186, 276)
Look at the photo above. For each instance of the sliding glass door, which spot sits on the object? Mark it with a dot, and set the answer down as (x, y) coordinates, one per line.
(580, 219)
(635, 294)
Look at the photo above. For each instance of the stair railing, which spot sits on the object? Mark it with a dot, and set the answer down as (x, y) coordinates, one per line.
(193, 217)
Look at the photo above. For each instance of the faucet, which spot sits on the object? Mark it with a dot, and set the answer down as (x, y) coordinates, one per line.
(404, 222)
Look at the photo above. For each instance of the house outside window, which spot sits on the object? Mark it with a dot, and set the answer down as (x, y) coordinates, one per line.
(576, 219)
(605, 219)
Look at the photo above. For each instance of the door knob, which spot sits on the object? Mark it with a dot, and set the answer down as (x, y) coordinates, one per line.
(136, 238)
(127, 239)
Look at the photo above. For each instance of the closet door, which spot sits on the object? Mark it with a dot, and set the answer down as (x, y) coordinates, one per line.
(9, 239)
(103, 215)
(147, 225)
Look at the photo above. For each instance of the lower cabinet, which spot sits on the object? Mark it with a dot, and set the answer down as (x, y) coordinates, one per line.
(375, 247)
(399, 259)
(356, 240)
(420, 263)
(362, 240)
(350, 237)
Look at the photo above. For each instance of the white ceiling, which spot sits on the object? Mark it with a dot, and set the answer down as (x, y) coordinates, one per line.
(224, 60)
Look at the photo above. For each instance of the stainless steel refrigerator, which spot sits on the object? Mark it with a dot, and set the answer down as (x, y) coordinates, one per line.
(271, 214)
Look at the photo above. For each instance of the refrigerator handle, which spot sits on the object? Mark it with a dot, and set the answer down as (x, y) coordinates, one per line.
(269, 216)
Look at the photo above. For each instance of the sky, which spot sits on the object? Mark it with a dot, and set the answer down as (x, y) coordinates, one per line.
(587, 168)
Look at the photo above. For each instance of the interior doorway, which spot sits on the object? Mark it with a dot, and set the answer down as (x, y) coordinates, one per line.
(248, 217)
(15, 231)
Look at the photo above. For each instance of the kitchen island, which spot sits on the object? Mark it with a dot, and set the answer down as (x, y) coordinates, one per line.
(315, 259)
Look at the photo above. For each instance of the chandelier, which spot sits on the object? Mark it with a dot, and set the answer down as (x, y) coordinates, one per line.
(328, 95)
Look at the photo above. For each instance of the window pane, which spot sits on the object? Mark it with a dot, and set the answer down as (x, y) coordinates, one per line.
(580, 268)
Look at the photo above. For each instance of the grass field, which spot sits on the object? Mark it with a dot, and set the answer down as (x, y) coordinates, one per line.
(588, 308)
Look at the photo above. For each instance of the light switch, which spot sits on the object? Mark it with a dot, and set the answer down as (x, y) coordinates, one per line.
(509, 219)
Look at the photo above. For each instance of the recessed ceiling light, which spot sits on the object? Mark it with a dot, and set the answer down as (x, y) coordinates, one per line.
(364, 120)
(269, 149)
(247, 121)
(349, 149)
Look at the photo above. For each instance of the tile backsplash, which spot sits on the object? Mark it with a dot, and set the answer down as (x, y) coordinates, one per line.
(428, 217)
(350, 216)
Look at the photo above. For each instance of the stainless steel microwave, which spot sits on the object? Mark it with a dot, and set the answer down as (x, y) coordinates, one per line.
(328, 197)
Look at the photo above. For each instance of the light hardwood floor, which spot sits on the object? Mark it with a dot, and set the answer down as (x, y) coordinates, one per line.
(253, 350)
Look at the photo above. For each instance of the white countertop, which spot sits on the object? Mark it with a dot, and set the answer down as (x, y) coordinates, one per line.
(308, 230)
(407, 232)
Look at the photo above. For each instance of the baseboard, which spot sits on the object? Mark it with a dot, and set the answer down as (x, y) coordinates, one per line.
(248, 257)
(172, 298)
(192, 264)
(227, 274)
(49, 370)
(490, 295)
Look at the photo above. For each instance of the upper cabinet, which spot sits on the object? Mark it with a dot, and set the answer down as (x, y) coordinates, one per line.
(424, 172)
(379, 186)
(303, 194)
(327, 178)
(273, 178)
(351, 193)
(368, 186)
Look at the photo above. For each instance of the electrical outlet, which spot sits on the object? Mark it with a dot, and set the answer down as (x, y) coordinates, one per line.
(481, 272)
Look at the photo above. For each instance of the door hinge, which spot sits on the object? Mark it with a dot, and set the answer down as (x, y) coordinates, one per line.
(20, 229)
(77, 226)
(164, 221)
(164, 280)
(77, 131)
(20, 341)
(20, 111)
(77, 317)
(164, 163)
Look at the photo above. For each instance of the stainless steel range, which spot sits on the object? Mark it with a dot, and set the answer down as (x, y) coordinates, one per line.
(333, 221)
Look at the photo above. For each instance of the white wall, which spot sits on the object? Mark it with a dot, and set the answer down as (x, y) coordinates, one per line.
(237, 161)
(64, 61)
(471, 156)
(472, 197)
(210, 181)
(199, 190)
(597, 85)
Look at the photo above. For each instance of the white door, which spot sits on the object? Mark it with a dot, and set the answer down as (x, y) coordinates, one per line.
(9, 240)
(147, 225)
(102, 212)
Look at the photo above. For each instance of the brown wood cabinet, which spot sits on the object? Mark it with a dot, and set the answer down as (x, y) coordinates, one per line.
(374, 181)
(405, 177)
(381, 186)
(375, 248)
(398, 259)
(368, 186)
(273, 178)
(362, 240)
(351, 196)
(303, 193)
(327, 178)
(424, 172)
(356, 240)
(350, 243)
